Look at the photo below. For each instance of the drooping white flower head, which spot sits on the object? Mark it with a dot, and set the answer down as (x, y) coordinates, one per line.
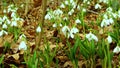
(91, 36)
(97, 6)
(72, 32)
(38, 29)
(22, 45)
(69, 32)
(2, 32)
(48, 16)
(4, 26)
(84, 10)
(62, 6)
(116, 50)
(4, 18)
(78, 7)
(65, 30)
(66, 2)
(54, 25)
(109, 39)
(14, 23)
(71, 12)
(109, 9)
(77, 21)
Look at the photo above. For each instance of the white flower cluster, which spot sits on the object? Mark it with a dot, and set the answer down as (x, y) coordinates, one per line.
(70, 3)
(108, 17)
(12, 21)
(53, 14)
(69, 32)
(91, 36)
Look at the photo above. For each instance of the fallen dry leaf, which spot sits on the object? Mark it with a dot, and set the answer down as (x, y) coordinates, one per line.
(16, 56)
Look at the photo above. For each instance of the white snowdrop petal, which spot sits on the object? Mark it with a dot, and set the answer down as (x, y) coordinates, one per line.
(109, 39)
(97, 6)
(14, 23)
(38, 29)
(77, 21)
(1, 33)
(116, 50)
(62, 6)
(54, 25)
(4, 26)
(66, 2)
(22, 45)
(91, 36)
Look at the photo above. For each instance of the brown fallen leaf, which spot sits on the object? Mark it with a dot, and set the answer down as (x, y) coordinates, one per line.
(16, 56)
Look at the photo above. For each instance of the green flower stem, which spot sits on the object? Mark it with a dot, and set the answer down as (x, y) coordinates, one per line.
(39, 37)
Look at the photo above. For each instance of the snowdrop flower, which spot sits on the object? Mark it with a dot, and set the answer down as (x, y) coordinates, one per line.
(65, 18)
(60, 25)
(14, 23)
(54, 25)
(22, 36)
(84, 10)
(114, 15)
(5, 18)
(84, 1)
(77, 21)
(104, 1)
(13, 14)
(65, 30)
(4, 11)
(109, 39)
(105, 16)
(91, 36)
(22, 45)
(111, 20)
(116, 50)
(48, 16)
(38, 29)
(97, 6)
(74, 5)
(4, 26)
(71, 1)
(8, 21)
(109, 9)
(73, 31)
(71, 12)
(78, 7)
(66, 2)
(3, 32)
(58, 12)
(62, 6)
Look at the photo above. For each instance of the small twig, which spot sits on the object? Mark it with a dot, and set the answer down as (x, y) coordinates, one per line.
(92, 11)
